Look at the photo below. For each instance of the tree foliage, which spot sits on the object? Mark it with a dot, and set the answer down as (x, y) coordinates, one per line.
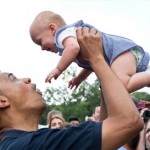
(141, 96)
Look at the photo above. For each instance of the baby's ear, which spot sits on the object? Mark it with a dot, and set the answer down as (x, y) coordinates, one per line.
(4, 102)
(52, 27)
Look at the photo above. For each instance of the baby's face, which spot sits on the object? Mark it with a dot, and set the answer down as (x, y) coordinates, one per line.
(47, 41)
(43, 38)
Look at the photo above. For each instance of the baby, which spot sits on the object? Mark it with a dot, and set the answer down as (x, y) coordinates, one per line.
(127, 59)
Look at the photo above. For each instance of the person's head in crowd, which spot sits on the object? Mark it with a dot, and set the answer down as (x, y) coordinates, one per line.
(74, 121)
(56, 121)
(147, 136)
(96, 113)
(52, 114)
(144, 109)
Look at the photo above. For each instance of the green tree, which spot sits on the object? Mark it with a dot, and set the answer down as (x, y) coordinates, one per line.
(142, 96)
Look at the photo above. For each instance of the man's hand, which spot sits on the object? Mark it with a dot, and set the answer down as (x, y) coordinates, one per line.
(87, 39)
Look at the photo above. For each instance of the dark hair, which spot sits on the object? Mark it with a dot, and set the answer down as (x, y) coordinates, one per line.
(73, 118)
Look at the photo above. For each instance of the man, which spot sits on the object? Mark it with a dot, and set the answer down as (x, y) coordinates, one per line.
(21, 107)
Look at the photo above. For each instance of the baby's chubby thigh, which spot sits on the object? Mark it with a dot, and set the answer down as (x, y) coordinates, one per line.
(124, 66)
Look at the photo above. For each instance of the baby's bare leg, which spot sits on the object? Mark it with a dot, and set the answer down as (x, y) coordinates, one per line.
(125, 68)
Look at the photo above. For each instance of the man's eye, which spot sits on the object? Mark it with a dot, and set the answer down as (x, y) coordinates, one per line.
(14, 78)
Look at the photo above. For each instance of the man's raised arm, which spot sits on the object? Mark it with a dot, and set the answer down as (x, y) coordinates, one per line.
(123, 120)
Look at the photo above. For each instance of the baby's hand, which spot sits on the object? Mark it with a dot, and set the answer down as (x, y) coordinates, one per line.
(53, 74)
(75, 82)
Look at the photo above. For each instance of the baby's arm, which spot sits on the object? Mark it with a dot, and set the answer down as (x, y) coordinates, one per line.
(69, 54)
(76, 81)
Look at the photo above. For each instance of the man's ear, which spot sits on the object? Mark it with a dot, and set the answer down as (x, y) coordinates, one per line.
(4, 102)
(52, 27)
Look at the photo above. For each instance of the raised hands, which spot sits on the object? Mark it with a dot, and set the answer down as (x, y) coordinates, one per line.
(75, 82)
(53, 74)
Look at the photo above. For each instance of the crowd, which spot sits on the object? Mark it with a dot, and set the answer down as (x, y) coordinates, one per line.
(118, 123)
(141, 141)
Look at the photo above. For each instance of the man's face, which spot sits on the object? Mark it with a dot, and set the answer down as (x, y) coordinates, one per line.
(43, 37)
(21, 94)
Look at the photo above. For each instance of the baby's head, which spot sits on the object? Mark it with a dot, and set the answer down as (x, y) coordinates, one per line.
(43, 29)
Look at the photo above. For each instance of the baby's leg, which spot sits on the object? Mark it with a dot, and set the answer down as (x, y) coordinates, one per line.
(125, 68)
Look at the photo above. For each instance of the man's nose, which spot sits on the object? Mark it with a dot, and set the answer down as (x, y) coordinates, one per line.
(26, 80)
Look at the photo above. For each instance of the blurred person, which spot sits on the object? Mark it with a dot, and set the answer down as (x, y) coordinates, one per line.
(21, 107)
(147, 135)
(49, 30)
(145, 114)
(74, 121)
(96, 113)
(65, 125)
(54, 119)
(95, 116)
(55, 122)
(51, 114)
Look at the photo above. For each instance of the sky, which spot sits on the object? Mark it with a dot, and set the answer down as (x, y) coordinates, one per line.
(19, 55)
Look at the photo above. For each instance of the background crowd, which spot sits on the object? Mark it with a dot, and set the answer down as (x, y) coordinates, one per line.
(141, 141)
